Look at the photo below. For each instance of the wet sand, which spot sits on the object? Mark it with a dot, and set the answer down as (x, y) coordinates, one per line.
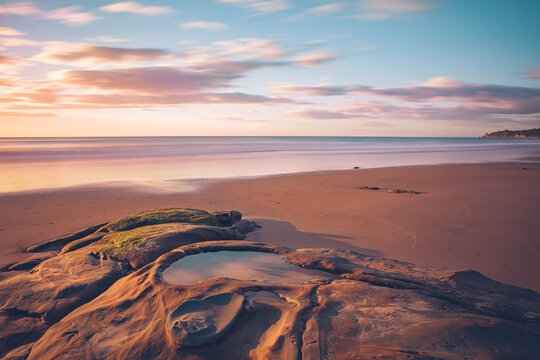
(482, 217)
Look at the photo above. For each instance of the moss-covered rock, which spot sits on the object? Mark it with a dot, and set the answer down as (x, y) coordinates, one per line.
(162, 216)
(144, 244)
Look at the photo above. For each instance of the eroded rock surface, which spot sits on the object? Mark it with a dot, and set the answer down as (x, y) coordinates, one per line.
(89, 261)
(375, 308)
(369, 308)
(197, 322)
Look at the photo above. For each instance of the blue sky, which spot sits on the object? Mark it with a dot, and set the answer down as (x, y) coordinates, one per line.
(269, 67)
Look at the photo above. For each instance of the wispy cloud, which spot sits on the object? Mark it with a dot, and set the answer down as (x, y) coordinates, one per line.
(259, 48)
(69, 15)
(444, 88)
(7, 59)
(440, 98)
(5, 31)
(87, 54)
(260, 6)
(321, 114)
(10, 66)
(435, 89)
(316, 90)
(116, 100)
(24, 114)
(6, 82)
(315, 58)
(19, 8)
(146, 80)
(367, 9)
(135, 8)
(140, 87)
(204, 25)
(156, 78)
(234, 119)
(533, 74)
(400, 5)
(327, 9)
(14, 42)
(320, 10)
(385, 9)
(108, 39)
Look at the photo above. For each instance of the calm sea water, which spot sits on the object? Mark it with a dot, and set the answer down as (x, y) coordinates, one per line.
(45, 163)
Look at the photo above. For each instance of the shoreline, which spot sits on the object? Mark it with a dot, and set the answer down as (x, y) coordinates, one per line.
(193, 183)
(468, 216)
(43, 165)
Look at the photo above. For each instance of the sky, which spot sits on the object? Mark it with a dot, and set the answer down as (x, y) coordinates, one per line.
(268, 67)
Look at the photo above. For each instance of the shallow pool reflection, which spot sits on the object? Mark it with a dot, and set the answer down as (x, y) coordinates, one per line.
(241, 265)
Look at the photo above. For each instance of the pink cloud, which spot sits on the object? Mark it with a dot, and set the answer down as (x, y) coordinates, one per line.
(135, 8)
(443, 88)
(327, 9)
(198, 76)
(234, 119)
(399, 5)
(204, 25)
(146, 80)
(260, 6)
(6, 82)
(6, 31)
(321, 114)
(315, 58)
(73, 54)
(387, 111)
(435, 89)
(461, 101)
(24, 114)
(7, 59)
(137, 87)
(317, 90)
(68, 15)
(534, 74)
(386, 9)
(116, 100)
(107, 39)
(13, 42)
(259, 48)
(43, 95)
(22, 8)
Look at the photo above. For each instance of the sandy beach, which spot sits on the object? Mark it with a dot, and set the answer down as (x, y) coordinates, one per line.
(482, 217)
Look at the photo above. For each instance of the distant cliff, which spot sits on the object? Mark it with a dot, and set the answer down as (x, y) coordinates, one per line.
(531, 133)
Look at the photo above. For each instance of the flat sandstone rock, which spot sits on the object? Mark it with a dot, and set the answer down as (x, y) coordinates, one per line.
(368, 307)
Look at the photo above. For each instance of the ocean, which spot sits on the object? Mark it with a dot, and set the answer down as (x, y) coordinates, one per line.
(28, 164)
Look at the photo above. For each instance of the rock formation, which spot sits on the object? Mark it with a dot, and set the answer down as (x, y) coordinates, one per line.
(105, 298)
(531, 133)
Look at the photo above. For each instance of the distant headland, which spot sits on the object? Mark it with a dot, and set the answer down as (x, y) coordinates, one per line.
(531, 133)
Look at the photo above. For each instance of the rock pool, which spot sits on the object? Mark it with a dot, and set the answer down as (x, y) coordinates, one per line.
(241, 265)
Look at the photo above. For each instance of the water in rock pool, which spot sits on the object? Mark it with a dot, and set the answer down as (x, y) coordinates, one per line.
(241, 265)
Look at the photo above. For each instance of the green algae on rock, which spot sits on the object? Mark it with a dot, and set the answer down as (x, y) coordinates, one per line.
(141, 245)
(161, 216)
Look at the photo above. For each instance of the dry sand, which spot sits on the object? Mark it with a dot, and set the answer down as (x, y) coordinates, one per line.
(482, 217)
